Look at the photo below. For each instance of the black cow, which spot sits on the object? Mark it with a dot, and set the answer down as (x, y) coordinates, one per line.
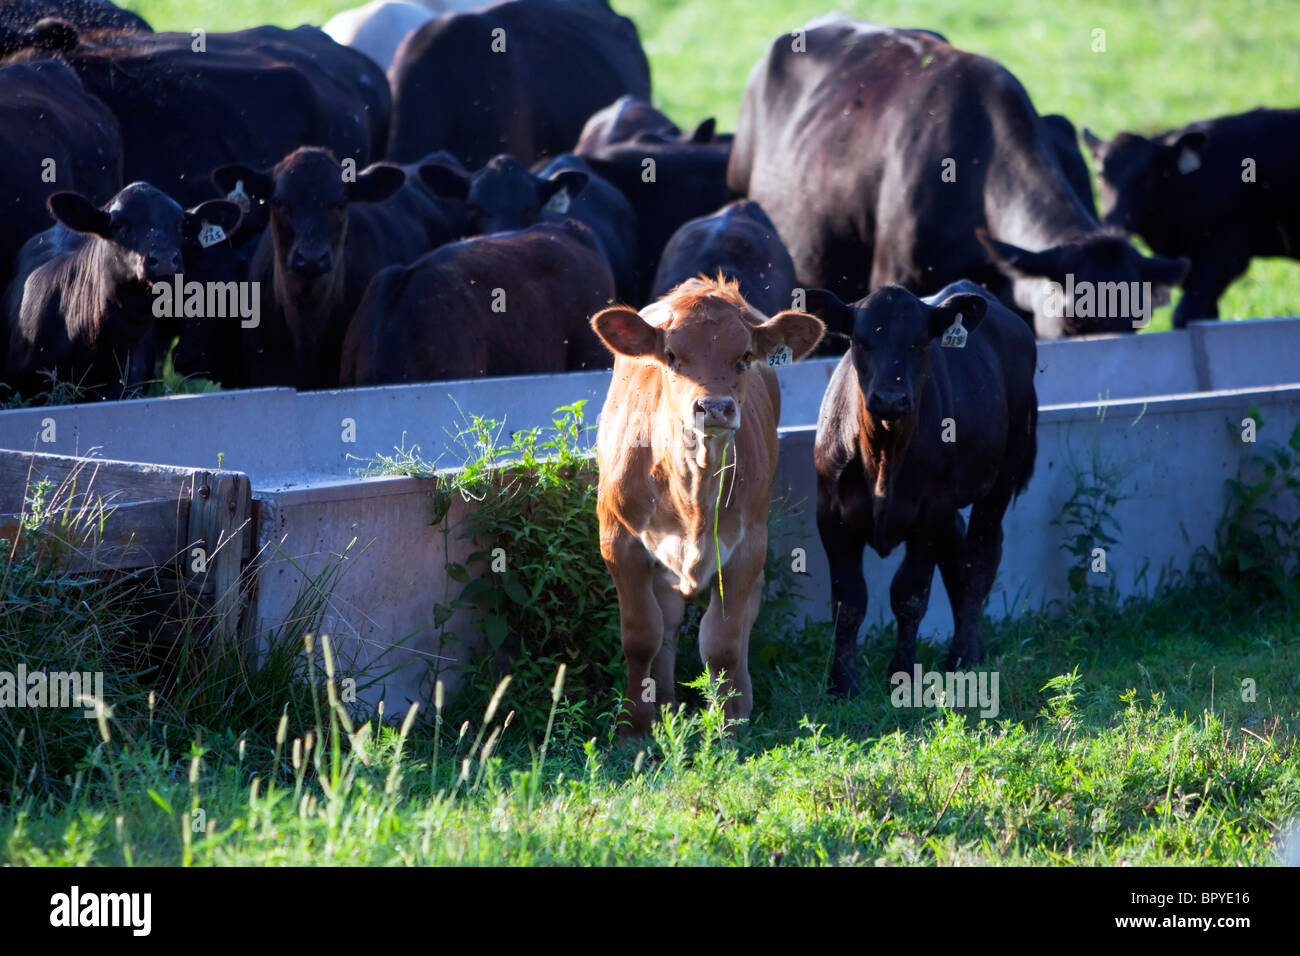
(906, 208)
(327, 237)
(909, 433)
(512, 303)
(738, 241)
(250, 97)
(18, 18)
(83, 295)
(668, 178)
(213, 347)
(1064, 140)
(504, 196)
(627, 117)
(518, 77)
(1219, 192)
(53, 136)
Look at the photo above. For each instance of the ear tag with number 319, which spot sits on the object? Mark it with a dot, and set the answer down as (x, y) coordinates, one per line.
(955, 335)
(782, 355)
(210, 234)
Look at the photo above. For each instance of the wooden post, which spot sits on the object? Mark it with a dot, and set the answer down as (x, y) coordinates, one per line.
(219, 525)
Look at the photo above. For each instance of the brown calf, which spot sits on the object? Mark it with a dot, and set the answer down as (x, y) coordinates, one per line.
(692, 398)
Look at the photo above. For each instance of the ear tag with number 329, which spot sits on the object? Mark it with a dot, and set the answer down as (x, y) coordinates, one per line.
(782, 355)
(210, 234)
(955, 335)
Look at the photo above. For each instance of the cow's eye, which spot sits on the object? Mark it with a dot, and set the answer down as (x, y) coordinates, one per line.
(744, 362)
(672, 359)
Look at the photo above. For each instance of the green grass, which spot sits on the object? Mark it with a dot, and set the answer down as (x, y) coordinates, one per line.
(1149, 756)
(1167, 62)
(1150, 731)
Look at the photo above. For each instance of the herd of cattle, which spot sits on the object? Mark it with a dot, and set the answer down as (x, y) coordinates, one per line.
(464, 214)
(469, 211)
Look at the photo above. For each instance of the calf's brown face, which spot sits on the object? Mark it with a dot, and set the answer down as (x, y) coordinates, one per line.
(893, 334)
(709, 348)
(309, 199)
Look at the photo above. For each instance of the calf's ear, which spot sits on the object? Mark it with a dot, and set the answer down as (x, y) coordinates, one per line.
(969, 306)
(445, 182)
(624, 332)
(376, 183)
(1186, 151)
(256, 184)
(705, 132)
(1017, 263)
(827, 305)
(797, 331)
(1095, 144)
(572, 181)
(1165, 271)
(79, 214)
(216, 212)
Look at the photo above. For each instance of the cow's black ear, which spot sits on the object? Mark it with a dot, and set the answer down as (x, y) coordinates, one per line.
(79, 214)
(705, 132)
(826, 305)
(236, 178)
(444, 181)
(216, 212)
(376, 183)
(1187, 149)
(970, 306)
(1095, 144)
(572, 181)
(1165, 271)
(1020, 263)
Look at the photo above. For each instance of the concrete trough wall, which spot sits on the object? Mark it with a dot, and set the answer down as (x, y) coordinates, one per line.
(1170, 459)
(284, 439)
(1173, 455)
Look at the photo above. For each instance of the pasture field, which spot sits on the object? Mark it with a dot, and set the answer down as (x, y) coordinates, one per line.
(1127, 732)
(1167, 62)
(1155, 731)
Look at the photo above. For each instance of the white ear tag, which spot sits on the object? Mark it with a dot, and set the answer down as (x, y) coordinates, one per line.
(559, 203)
(955, 336)
(782, 355)
(240, 198)
(210, 234)
(1188, 161)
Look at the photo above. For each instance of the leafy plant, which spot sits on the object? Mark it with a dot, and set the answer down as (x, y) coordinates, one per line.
(1258, 539)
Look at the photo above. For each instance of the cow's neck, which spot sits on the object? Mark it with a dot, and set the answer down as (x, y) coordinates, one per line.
(101, 308)
(883, 451)
(308, 309)
(1035, 209)
(695, 473)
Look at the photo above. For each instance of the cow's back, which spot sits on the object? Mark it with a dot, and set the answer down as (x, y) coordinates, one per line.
(48, 121)
(455, 89)
(506, 304)
(251, 97)
(905, 210)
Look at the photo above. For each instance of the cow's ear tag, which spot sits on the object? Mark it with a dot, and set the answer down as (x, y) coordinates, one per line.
(955, 335)
(559, 203)
(240, 198)
(210, 234)
(781, 355)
